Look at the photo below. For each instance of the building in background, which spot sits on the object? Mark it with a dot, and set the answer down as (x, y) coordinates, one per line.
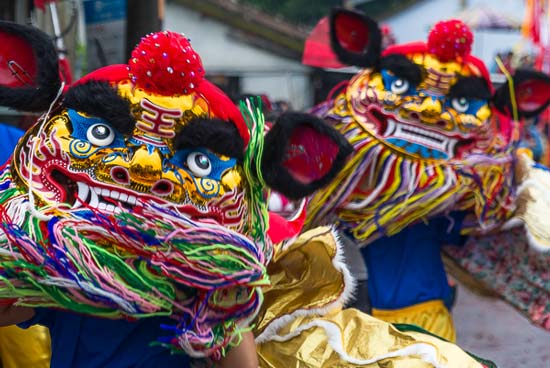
(245, 51)
(414, 23)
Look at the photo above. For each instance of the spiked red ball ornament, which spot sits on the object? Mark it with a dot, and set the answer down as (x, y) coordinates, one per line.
(450, 40)
(165, 63)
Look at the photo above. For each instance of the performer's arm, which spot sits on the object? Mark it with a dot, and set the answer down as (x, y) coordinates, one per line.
(11, 315)
(242, 356)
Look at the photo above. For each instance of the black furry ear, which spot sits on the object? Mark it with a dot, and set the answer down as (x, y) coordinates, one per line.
(28, 68)
(355, 38)
(302, 154)
(531, 92)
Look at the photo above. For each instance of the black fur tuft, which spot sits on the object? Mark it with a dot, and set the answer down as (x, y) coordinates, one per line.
(471, 87)
(217, 135)
(366, 58)
(99, 99)
(37, 97)
(402, 67)
(275, 147)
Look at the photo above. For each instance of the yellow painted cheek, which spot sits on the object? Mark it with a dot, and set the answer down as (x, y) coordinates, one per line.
(484, 113)
(376, 82)
(232, 179)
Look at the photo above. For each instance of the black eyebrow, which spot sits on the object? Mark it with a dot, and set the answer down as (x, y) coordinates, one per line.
(470, 87)
(99, 99)
(402, 67)
(215, 134)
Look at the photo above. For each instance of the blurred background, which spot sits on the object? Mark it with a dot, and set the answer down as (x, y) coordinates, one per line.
(255, 47)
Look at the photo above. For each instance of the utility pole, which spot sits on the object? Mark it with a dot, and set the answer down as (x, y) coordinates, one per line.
(463, 4)
(143, 17)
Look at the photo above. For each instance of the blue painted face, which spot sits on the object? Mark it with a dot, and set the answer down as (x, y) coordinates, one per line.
(421, 107)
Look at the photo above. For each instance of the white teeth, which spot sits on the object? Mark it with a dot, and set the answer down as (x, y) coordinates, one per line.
(132, 200)
(390, 128)
(421, 136)
(82, 194)
(451, 145)
(92, 196)
(94, 200)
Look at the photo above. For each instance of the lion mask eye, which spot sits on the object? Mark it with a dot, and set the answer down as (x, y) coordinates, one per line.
(199, 164)
(100, 134)
(399, 86)
(460, 104)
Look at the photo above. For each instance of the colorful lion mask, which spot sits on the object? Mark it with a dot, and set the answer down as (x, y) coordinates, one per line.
(141, 190)
(430, 132)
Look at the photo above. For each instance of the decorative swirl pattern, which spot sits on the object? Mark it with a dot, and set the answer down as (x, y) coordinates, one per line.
(81, 148)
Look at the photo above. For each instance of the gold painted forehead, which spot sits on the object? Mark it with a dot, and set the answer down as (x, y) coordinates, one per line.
(439, 76)
(161, 117)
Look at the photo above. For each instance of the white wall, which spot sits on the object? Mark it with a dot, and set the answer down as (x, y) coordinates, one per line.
(415, 23)
(260, 71)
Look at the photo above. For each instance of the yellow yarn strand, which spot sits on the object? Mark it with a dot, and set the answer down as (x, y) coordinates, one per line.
(510, 86)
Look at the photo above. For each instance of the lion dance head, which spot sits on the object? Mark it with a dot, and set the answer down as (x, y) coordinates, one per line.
(141, 190)
(431, 134)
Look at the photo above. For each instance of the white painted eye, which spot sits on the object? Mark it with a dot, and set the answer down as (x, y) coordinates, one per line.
(199, 164)
(100, 135)
(399, 86)
(460, 104)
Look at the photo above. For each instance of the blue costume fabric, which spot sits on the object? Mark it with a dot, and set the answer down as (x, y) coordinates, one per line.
(90, 342)
(407, 268)
(9, 136)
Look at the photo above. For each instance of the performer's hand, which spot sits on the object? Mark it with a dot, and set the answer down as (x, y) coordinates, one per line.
(11, 315)
(242, 356)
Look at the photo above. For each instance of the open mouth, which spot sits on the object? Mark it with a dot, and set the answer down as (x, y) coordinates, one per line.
(103, 199)
(79, 194)
(414, 139)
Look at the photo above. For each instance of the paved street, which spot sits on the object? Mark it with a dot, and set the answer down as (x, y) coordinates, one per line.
(492, 329)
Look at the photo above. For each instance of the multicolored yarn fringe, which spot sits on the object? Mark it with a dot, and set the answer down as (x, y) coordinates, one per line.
(379, 192)
(257, 188)
(150, 261)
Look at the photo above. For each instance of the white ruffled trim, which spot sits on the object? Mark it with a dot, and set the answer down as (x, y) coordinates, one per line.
(347, 294)
(544, 196)
(534, 243)
(424, 351)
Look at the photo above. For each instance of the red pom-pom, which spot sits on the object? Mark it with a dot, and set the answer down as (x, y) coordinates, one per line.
(450, 40)
(164, 63)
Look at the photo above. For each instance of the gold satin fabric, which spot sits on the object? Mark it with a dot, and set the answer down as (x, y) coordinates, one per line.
(432, 316)
(25, 348)
(302, 323)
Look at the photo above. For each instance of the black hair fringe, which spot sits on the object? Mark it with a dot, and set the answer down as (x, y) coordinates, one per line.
(471, 87)
(99, 99)
(402, 67)
(218, 135)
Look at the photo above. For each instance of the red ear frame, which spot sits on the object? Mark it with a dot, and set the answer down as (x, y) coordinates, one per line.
(355, 38)
(29, 67)
(302, 154)
(531, 91)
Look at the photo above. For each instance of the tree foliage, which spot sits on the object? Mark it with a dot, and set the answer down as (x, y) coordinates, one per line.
(307, 12)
